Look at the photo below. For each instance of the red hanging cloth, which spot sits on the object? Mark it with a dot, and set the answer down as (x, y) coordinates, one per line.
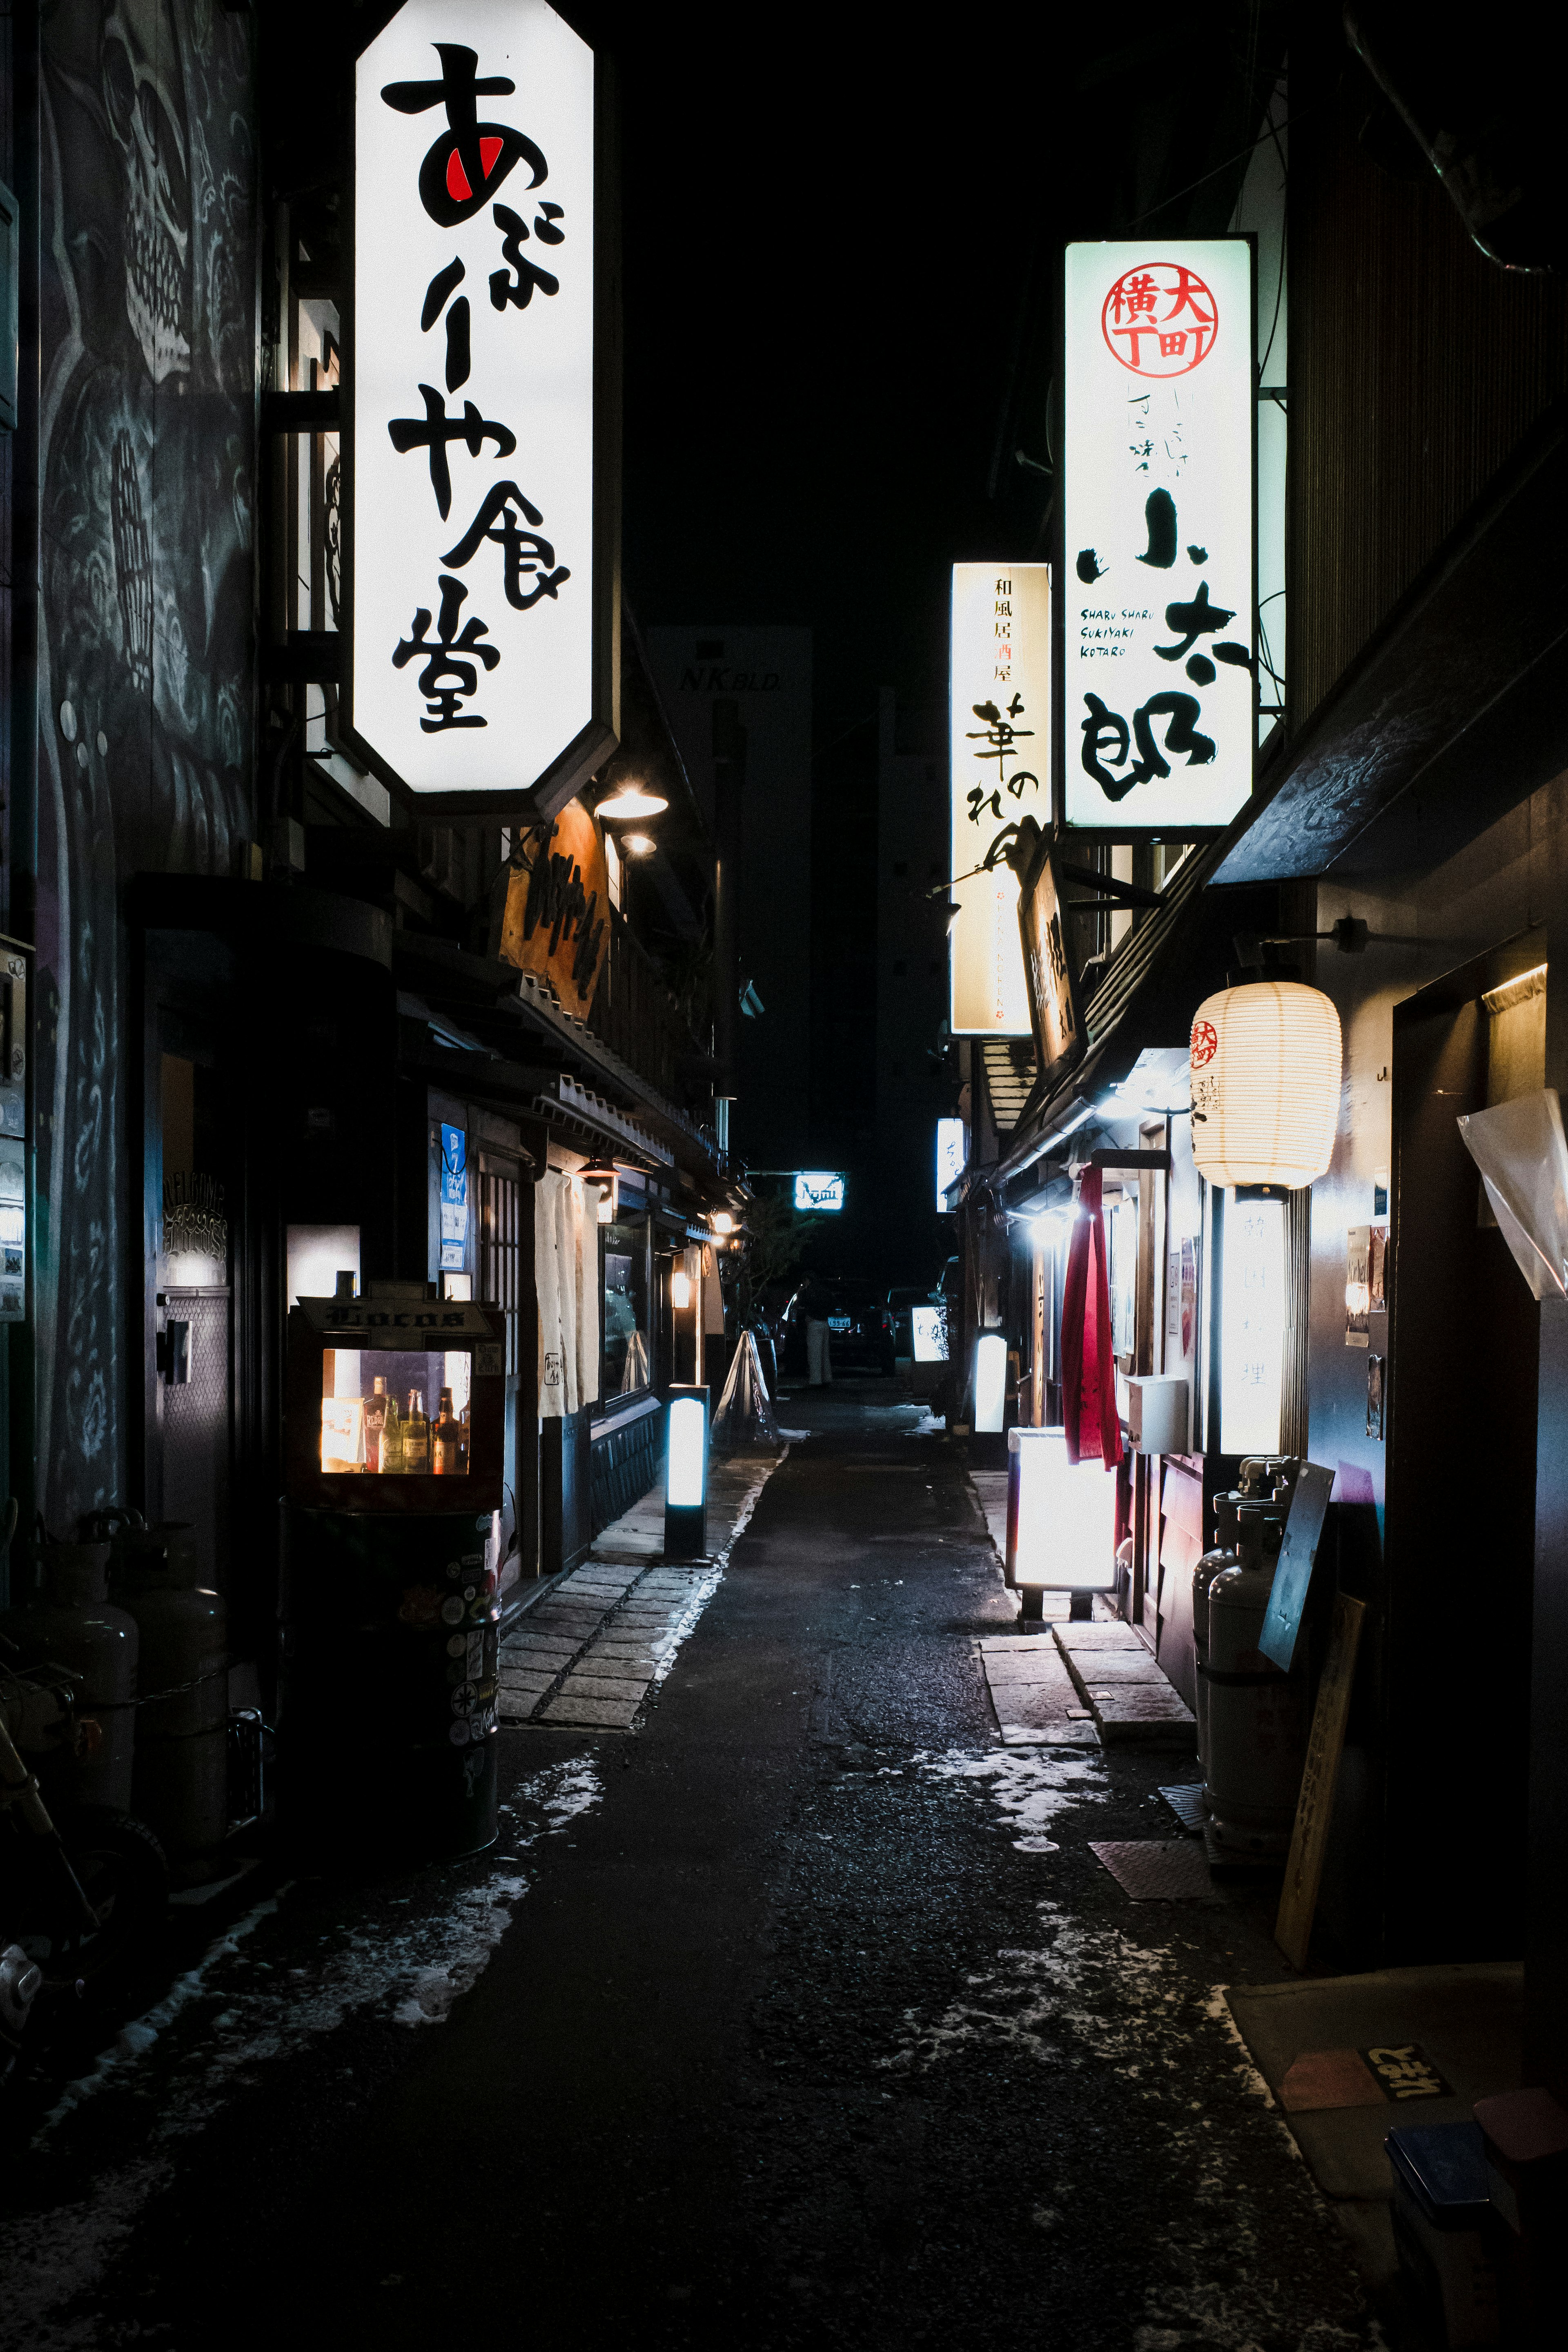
(1089, 1368)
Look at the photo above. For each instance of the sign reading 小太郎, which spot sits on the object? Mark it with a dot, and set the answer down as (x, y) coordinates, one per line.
(1159, 697)
(475, 668)
(1000, 723)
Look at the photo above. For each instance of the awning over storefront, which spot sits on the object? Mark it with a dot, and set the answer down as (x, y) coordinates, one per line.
(1452, 715)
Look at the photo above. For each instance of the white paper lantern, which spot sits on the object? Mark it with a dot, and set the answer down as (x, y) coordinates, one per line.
(1266, 1062)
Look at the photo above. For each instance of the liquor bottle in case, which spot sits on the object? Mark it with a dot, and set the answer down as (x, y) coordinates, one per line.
(415, 1436)
(447, 1440)
(392, 1461)
(379, 1409)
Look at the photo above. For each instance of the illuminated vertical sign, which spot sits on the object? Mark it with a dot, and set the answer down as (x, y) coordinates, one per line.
(1000, 691)
(1252, 1325)
(1160, 625)
(472, 570)
(952, 1151)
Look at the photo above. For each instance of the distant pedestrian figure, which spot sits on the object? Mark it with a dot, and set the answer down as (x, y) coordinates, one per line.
(818, 1358)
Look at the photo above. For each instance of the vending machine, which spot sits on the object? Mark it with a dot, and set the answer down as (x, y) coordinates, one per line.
(392, 1449)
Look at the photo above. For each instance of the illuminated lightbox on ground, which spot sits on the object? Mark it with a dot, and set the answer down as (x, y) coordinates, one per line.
(929, 1335)
(686, 1475)
(990, 1383)
(1061, 1517)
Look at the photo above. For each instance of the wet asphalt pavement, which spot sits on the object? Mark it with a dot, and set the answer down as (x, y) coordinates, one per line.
(801, 2017)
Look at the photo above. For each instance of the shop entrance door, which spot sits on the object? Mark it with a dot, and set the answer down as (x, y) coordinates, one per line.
(188, 1330)
(1449, 1603)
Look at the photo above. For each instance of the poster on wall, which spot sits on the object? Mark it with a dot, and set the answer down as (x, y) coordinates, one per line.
(472, 572)
(1160, 626)
(1000, 728)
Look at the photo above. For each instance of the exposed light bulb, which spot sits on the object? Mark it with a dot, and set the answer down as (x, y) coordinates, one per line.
(638, 845)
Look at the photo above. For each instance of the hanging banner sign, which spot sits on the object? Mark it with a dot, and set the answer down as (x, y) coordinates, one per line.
(1054, 1005)
(1159, 701)
(473, 563)
(1000, 720)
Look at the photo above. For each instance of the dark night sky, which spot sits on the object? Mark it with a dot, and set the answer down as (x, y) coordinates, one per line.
(828, 235)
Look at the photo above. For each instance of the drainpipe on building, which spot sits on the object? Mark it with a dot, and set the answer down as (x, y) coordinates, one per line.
(728, 787)
(18, 1414)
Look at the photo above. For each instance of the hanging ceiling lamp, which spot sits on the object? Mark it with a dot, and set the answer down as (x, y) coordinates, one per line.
(1266, 1062)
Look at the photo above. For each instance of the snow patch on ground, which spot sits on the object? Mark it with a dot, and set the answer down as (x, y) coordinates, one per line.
(1095, 1997)
(236, 2010)
(1029, 1786)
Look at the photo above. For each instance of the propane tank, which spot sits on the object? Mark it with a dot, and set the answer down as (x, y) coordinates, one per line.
(182, 1741)
(75, 1624)
(1223, 1555)
(1257, 1720)
(1260, 1476)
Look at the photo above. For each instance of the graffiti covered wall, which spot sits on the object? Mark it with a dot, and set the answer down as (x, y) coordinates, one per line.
(147, 460)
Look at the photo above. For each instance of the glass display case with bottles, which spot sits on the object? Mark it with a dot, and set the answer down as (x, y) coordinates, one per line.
(395, 1401)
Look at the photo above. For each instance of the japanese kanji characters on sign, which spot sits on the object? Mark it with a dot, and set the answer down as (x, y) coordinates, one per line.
(1000, 728)
(472, 551)
(1160, 717)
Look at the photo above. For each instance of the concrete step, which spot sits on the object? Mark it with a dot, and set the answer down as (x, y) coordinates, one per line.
(1130, 1701)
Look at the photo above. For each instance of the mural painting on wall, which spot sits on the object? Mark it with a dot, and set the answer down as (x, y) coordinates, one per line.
(146, 462)
(556, 919)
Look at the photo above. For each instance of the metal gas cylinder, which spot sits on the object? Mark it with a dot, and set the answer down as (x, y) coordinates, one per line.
(75, 1624)
(1256, 1719)
(1214, 1562)
(181, 1739)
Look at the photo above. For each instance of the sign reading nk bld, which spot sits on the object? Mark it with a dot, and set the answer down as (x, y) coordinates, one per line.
(1160, 702)
(1000, 728)
(472, 529)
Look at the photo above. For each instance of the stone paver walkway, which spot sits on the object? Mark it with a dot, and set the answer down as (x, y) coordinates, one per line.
(592, 1648)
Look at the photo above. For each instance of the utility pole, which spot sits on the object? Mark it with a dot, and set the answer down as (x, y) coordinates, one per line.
(729, 788)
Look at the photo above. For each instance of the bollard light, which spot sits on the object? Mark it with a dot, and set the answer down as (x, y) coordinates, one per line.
(990, 1383)
(1061, 1517)
(686, 1475)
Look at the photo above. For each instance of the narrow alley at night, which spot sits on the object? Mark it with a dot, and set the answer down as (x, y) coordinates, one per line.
(784, 1210)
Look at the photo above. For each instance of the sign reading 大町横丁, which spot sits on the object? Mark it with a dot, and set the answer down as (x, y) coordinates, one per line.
(1160, 702)
(472, 666)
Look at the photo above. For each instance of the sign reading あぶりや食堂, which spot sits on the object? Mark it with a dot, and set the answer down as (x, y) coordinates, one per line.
(472, 669)
(1159, 701)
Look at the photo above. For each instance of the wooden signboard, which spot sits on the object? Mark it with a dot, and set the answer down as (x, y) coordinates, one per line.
(557, 918)
(1054, 1009)
(1315, 1806)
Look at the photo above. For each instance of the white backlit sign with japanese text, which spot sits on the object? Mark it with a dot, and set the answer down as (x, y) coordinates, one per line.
(952, 1152)
(472, 557)
(1000, 706)
(1159, 717)
(1252, 1325)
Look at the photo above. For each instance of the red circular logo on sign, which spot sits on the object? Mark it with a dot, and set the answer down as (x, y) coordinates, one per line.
(1205, 1042)
(1160, 320)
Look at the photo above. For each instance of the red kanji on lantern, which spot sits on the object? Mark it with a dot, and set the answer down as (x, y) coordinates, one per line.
(1205, 1042)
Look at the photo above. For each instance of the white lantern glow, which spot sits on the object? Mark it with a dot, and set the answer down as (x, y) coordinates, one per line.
(990, 1383)
(1265, 1065)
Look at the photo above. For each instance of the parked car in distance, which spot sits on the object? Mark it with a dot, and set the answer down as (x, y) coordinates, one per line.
(862, 1326)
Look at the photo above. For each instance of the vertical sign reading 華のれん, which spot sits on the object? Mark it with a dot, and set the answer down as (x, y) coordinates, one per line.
(1000, 726)
(472, 357)
(1159, 701)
